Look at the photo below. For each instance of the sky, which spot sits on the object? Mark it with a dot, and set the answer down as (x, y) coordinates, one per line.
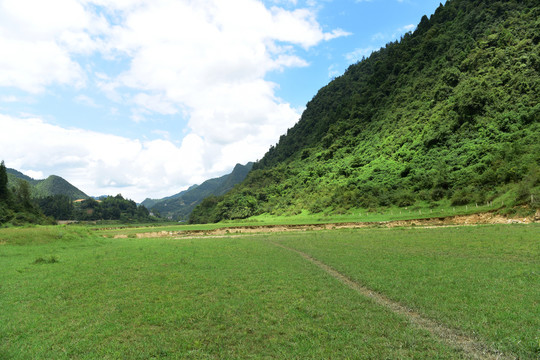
(146, 97)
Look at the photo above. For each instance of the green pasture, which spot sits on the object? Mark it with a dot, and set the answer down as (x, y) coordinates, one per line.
(484, 280)
(69, 293)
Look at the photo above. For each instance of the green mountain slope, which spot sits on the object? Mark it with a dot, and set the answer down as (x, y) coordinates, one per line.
(15, 174)
(179, 206)
(148, 203)
(449, 113)
(53, 185)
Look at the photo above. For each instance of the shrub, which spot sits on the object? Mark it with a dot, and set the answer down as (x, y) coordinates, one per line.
(404, 198)
(462, 197)
(51, 260)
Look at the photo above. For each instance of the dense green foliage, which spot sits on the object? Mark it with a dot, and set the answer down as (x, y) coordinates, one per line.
(20, 202)
(59, 207)
(3, 182)
(111, 208)
(16, 204)
(449, 113)
(180, 206)
(55, 185)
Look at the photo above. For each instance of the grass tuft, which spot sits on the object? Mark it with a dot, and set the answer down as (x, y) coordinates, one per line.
(50, 260)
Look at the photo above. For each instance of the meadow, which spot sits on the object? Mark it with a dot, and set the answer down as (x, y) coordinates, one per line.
(67, 292)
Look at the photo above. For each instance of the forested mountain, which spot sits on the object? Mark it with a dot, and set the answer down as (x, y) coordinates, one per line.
(16, 204)
(110, 208)
(151, 202)
(25, 200)
(179, 206)
(53, 185)
(451, 112)
(15, 174)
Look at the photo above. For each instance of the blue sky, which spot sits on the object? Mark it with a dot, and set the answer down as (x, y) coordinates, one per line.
(147, 97)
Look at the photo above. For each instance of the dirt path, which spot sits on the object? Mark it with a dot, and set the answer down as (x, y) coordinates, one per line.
(471, 347)
(458, 220)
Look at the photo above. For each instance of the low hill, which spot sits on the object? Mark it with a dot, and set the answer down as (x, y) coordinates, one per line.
(179, 206)
(451, 112)
(53, 185)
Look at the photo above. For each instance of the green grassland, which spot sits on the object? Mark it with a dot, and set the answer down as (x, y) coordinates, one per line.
(68, 292)
(484, 280)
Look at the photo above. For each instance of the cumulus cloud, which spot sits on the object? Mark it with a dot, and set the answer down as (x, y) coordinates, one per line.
(203, 63)
(211, 58)
(38, 40)
(99, 163)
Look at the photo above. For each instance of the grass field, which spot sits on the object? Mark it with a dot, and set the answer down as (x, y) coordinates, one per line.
(483, 280)
(66, 293)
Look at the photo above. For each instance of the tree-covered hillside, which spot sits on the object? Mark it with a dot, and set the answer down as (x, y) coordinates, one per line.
(148, 203)
(24, 200)
(180, 206)
(51, 186)
(16, 204)
(451, 112)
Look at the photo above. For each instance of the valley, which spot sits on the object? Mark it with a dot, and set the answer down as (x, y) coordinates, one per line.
(405, 292)
(397, 219)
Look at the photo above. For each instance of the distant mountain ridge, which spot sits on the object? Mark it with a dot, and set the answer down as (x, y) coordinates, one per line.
(179, 206)
(148, 203)
(53, 185)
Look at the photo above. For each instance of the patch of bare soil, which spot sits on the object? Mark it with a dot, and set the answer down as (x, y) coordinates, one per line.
(458, 220)
(470, 346)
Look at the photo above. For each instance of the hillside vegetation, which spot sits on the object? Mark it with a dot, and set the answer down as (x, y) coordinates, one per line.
(24, 200)
(180, 206)
(51, 186)
(450, 113)
(16, 204)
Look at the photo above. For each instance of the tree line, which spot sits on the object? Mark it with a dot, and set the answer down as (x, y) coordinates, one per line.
(18, 207)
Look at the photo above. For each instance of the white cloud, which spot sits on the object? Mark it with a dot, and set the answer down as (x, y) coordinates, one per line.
(9, 99)
(86, 100)
(204, 61)
(334, 71)
(402, 30)
(31, 66)
(211, 58)
(99, 163)
(155, 103)
(38, 39)
(379, 38)
(37, 175)
(358, 54)
(162, 133)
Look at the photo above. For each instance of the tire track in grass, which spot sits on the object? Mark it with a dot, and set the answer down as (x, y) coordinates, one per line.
(470, 346)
